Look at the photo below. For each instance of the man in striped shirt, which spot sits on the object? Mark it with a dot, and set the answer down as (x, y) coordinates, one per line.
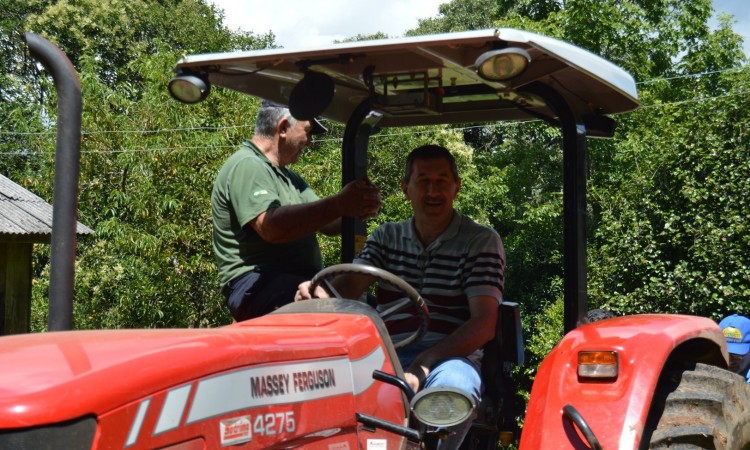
(456, 264)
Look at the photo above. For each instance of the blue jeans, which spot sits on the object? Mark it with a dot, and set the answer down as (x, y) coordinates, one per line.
(460, 373)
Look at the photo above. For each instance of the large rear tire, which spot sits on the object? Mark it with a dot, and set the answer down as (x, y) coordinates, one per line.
(705, 407)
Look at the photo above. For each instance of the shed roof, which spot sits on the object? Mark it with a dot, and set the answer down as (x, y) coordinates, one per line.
(25, 217)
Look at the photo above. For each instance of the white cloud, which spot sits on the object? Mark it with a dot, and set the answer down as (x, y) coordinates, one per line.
(312, 23)
(306, 23)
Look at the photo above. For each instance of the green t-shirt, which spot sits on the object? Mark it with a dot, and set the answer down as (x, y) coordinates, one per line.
(246, 186)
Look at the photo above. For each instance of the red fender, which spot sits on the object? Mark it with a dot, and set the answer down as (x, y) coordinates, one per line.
(616, 411)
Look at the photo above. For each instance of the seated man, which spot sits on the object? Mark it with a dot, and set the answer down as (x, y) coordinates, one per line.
(736, 330)
(455, 263)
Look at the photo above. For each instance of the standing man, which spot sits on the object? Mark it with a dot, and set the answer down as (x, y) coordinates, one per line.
(736, 331)
(456, 264)
(265, 216)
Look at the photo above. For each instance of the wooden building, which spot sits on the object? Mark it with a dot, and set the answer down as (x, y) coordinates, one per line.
(25, 220)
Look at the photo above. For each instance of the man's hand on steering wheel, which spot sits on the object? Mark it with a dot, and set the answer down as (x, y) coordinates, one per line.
(313, 289)
(303, 292)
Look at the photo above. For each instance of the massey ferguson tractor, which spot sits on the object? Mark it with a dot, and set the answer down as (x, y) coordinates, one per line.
(323, 374)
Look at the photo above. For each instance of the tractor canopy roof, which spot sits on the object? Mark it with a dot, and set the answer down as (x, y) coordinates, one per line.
(466, 77)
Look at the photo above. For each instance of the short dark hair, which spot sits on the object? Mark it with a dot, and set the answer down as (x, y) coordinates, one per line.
(429, 152)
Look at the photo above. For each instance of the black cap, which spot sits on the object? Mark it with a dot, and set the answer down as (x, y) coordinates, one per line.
(317, 126)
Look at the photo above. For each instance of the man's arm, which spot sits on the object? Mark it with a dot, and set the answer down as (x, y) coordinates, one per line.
(332, 228)
(292, 222)
(287, 223)
(465, 340)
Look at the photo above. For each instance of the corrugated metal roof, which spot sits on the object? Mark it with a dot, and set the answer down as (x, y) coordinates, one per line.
(24, 213)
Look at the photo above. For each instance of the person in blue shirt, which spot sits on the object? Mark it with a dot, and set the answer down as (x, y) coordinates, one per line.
(736, 329)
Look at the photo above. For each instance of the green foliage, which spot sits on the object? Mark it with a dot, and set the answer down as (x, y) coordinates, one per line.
(364, 37)
(523, 163)
(118, 32)
(673, 234)
(668, 202)
(667, 196)
(459, 16)
(20, 112)
(521, 174)
(147, 162)
(548, 326)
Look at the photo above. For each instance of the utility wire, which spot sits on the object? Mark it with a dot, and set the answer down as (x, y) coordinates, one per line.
(230, 127)
(162, 130)
(376, 136)
(694, 75)
(208, 129)
(214, 147)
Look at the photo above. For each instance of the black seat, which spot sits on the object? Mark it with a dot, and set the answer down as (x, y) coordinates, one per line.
(500, 403)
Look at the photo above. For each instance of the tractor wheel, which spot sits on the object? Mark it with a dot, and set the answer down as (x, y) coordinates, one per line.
(705, 407)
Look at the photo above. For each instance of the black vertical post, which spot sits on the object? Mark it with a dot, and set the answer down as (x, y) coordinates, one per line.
(575, 156)
(354, 167)
(574, 213)
(65, 201)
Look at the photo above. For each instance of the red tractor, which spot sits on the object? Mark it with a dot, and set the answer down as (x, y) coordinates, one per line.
(323, 374)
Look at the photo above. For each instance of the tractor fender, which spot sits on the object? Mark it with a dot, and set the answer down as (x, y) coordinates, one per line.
(615, 409)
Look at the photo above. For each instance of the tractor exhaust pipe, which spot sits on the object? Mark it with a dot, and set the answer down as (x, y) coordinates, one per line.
(67, 159)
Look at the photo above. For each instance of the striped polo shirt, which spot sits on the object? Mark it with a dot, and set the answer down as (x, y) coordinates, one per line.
(467, 260)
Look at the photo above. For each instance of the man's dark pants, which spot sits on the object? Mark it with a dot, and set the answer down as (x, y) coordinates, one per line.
(262, 290)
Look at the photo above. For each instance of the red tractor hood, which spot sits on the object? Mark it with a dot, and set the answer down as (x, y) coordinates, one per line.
(56, 376)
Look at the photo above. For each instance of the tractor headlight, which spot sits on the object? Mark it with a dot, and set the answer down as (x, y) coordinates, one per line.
(598, 365)
(442, 406)
(189, 88)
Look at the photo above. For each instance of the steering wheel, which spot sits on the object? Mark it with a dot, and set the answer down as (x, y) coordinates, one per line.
(412, 296)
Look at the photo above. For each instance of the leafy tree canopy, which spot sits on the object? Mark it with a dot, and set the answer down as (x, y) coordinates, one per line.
(667, 195)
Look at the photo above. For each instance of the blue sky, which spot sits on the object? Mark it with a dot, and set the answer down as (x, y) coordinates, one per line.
(296, 24)
(740, 9)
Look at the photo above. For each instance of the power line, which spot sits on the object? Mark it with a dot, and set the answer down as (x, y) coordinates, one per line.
(162, 130)
(210, 129)
(694, 100)
(231, 127)
(376, 136)
(339, 139)
(209, 147)
(694, 75)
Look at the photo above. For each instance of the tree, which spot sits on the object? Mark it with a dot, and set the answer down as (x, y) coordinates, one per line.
(459, 16)
(147, 161)
(667, 202)
(364, 37)
(666, 195)
(118, 32)
(20, 111)
(672, 235)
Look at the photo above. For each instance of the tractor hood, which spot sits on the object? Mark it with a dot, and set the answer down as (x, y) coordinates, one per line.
(58, 376)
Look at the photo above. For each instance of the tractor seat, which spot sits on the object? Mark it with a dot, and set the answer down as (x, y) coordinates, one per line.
(500, 403)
